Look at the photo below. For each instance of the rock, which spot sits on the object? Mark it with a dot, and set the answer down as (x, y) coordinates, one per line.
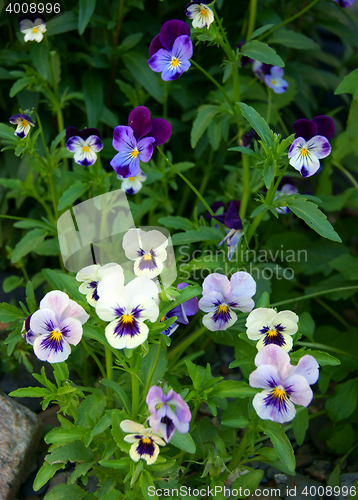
(320, 469)
(59, 478)
(300, 487)
(348, 480)
(20, 431)
(27, 489)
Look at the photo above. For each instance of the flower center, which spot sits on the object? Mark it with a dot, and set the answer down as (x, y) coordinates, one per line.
(146, 440)
(131, 178)
(25, 123)
(34, 30)
(273, 82)
(304, 151)
(134, 153)
(147, 257)
(272, 333)
(279, 393)
(127, 318)
(175, 62)
(85, 149)
(203, 12)
(162, 319)
(223, 308)
(56, 336)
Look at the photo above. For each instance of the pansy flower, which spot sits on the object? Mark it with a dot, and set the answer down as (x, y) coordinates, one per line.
(221, 297)
(345, 3)
(132, 185)
(200, 13)
(26, 332)
(269, 327)
(145, 441)
(171, 50)
(169, 412)
(147, 249)
(285, 188)
(182, 311)
(232, 221)
(91, 277)
(85, 145)
(275, 81)
(284, 384)
(23, 122)
(56, 325)
(33, 27)
(126, 310)
(311, 143)
(135, 142)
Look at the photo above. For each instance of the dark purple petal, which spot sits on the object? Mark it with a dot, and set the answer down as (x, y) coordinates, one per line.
(286, 180)
(305, 128)
(91, 131)
(19, 118)
(145, 147)
(155, 45)
(171, 30)
(345, 3)
(325, 126)
(32, 17)
(139, 120)
(161, 131)
(215, 207)
(247, 138)
(232, 219)
(72, 131)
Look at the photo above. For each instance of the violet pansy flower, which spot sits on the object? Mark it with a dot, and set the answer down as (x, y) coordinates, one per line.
(182, 311)
(56, 325)
(284, 384)
(200, 13)
(135, 142)
(221, 297)
(84, 144)
(311, 143)
(144, 441)
(169, 412)
(132, 185)
(285, 188)
(345, 3)
(23, 122)
(171, 50)
(275, 81)
(232, 221)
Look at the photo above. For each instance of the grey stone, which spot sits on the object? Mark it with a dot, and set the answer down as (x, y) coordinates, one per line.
(348, 480)
(20, 431)
(295, 485)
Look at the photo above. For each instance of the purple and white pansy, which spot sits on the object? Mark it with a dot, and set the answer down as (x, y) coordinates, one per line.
(275, 81)
(91, 277)
(33, 27)
(147, 249)
(136, 141)
(221, 297)
(56, 325)
(284, 384)
(231, 219)
(169, 412)
(311, 143)
(24, 124)
(200, 13)
(85, 144)
(144, 441)
(171, 50)
(269, 327)
(182, 311)
(132, 185)
(126, 310)
(285, 188)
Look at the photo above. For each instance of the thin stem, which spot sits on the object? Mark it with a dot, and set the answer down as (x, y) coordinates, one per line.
(333, 312)
(109, 369)
(186, 343)
(213, 81)
(246, 182)
(326, 348)
(269, 105)
(93, 355)
(47, 154)
(24, 272)
(150, 377)
(346, 173)
(135, 385)
(252, 19)
(115, 43)
(53, 193)
(312, 295)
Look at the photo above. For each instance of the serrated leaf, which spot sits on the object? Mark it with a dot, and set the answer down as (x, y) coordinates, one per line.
(45, 473)
(85, 13)
(29, 392)
(40, 59)
(73, 452)
(27, 244)
(260, 51)
(66, 491)
(72, 194)
(147, 482)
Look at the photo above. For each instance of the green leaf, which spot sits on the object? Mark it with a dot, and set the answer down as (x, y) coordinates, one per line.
(27, 244)
(73, 452)
(62, 24)
(322, 358)
(7, 132)
(300, 425)
(62, 436)
(29, 392)
(307, 325)
(11, 283)
(117, 389)
(344, 401)
(40, 59)
(347, 265)
(9, 313)
(48, 247)
(147, 486)
(192, 236)
(176, 222)
(233, 389)
(246, 151)
(334, 477)
(257, 123)
(349, 85)
(72, 194)
(269, 171)
(248, 481)
(92, 85)
(237, 423)
(66, 492)
(292, 39)
(93, 406)
(264, 300)
(204, 117)
(260, 31)
(85, 13)
(280, 442)
(260, 51)
(314, 218)
(45, 473)
(130, 41)
(183, 442)
(137, 65)
(30, 297)
(19, 85)
(81, 470)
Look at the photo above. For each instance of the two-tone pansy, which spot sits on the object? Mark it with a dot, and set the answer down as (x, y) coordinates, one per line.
(200, 13)
(311, 143)
(56, 325)
(147, 249)
(182, 311)
(33, 27)
(285, 188)
(221, 297)
(271, 75)
(169, 412)
(126, 309)
(231, 219)
(171, 50)
(24, 124)
(269, 327)
(284, 384)
(144, 441)
(132, 185)
(136, 141)
(91, 277)
(85, 144)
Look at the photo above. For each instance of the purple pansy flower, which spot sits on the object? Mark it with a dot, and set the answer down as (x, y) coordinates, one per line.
(286, 187)
(135, 142)
(23, 122)
(171, 50)
(84, 144)
(182, 311)
(221, 297)
(169, 412)
(345, 3)
(132, 185)
(56, 325)
(311, 143)
(275, 81)
(200, 13)
(284, 384)
(26, 332)
(231, 219)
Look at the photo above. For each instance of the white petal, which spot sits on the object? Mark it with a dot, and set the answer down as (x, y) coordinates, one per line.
(43, 321)
(130, 426)
(55, 300)
(126, 340)
(74, 330)
(107, 305)
(287, 346)
(214, 326)
(88, 273)
(270, 412)
(51, 355)
(263, 315)
(242, 283)
(140, 286)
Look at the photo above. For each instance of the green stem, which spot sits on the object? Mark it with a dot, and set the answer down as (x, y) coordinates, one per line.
(292, 18)
(213, 81)
(252, 19)
(61, 127)
(346, 173)
(93, 355)
(333, 312)
(53, 194)
(150, 377)
(246, 183)
(312, 295)
(109, 370)
(135, 385)
(186, 343)
(24, 272)
(47, 154)
(193, 415)
(269, 105)
(326, 348)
